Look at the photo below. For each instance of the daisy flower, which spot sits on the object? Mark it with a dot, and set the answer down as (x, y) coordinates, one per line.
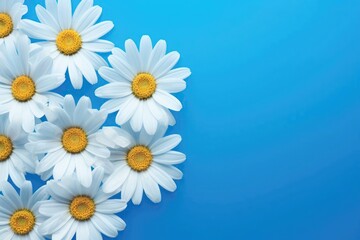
(88, 212)
(140, 84)
(11, 12)
(15, 160)
(20, 217)
(143, 165)
(69, 141)
(72, 40)
(25, 82)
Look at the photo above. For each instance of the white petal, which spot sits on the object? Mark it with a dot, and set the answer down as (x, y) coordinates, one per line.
(10, 193)
(145, 51)
(51, 6)
(100, 46)
(86, 68)
(137, 197)
(173, 172)
(67, 231)
(82, 231)
(156, 109)
(167, 100)
(50, 207)
(75, 75)
(45, 17)
(150, 123)
(26, 193)
(95, 234)
(111, 206)
(98, 150)
(65, 14)
(87, 19)
(110, 75)
(83, 172)
(16, 175)
(117, 222)
(54, 223)
(96, 60)
(170, 158)
(151, 188)
(165, 144)
(61, 64)
(128, 189)
(165, 64)
(171, 85)
(82, 8)
(38, 30)
(50, 160)
(61, 167)
(49, 82)
(181, 73)
(122, 67)
(114, 90)
(132, 55)
(96, 31)
(116, 179)
(112, 105)
(162, 179)
(137, 119)
(127, 110)
(102, 223)
(157, 53)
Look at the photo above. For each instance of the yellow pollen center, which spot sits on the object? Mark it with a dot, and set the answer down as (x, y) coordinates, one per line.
(6, 25)
(139, 158)
(69, 42)
(22, 222)
(23, 88)
(74, 140)
(82, 208)
(6, 148)
(143, 86)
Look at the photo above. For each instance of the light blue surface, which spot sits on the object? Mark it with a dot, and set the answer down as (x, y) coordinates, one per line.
(271, 118)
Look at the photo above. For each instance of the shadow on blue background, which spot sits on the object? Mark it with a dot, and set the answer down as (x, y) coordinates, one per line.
(271, 118)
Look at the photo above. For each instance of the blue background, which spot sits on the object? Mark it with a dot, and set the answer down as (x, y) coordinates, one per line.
(271, 117)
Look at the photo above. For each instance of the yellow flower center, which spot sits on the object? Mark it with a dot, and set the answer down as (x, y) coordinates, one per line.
(6, 148)
(74, 140)
(82, 208)
(22, 222)
(6, 25)
(139, 158)
(69, 42)
(143, 86)
(23, 88)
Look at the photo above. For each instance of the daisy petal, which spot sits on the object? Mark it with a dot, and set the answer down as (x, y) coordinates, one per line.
(151, 188)
(99, 46)
(167, 100)
(165, 144)
(165, 64)
(65, 14)
(96, 31)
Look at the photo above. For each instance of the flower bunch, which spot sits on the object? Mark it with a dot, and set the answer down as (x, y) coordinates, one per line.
(86, 164)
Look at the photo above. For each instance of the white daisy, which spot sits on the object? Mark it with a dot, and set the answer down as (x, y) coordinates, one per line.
(140, 84)
(19, 214)
(71, 39)
(69, 141)
(145, 164)
(11, 12)
(25, 82)
(88, 212)
(15, 160)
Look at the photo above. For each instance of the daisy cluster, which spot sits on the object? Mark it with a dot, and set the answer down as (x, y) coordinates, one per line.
(84, 163)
